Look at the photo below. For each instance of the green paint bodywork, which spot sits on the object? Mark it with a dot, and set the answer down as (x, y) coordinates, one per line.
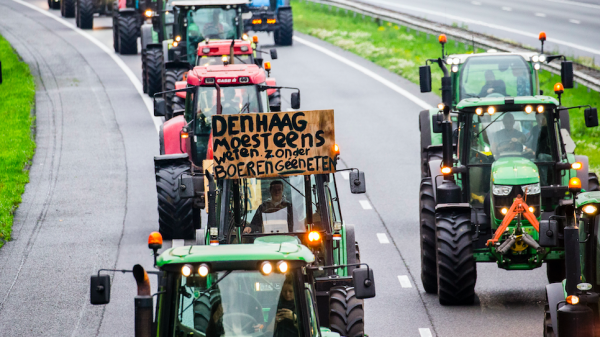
(514, 171)
(285, 250)
(587, 198)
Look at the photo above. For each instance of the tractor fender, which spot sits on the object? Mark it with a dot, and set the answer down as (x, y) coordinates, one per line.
(435, 172)
(271, 82)
(154, 45)
(180, 85)
(178, 65)
(554, 294)
(170, 159)
(284, 8)
(171, 135)
(351, 257)
(583, 174)
(125, 11)
(146, 36)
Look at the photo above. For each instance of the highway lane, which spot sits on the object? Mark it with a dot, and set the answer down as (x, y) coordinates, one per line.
(378, 133)
(571, 26)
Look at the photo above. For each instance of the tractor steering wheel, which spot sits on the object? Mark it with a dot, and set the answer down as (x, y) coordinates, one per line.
(231, 328)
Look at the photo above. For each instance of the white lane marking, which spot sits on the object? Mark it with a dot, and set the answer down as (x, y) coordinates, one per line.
(575, 3)
(345, 175)
(425, 332)
(404, 281)
(476, 3)
(541, 15)
(136, 83)
(382, 238)
(365, 204)
(367, 72)
(508, 9)
(575, 21)
(489, 25)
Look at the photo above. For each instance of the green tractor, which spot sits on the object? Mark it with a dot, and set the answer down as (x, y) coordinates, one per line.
(496, 159)
(573, 305)
(262, 289)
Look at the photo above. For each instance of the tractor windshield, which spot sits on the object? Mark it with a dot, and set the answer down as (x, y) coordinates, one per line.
(495, 76)
(210, 23)
(217, 60)
(243, 303)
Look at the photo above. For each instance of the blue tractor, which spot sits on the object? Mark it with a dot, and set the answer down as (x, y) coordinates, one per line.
(272, 16)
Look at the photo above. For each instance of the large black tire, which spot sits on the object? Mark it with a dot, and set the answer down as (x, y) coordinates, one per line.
(284, 36)
(144, 72)
(53, 4)
(153, 72)
(175, 215)
(67, 8)
(352, 255)
(555, 270)
(427, 234)
(548, 328)
(346, 312)
(85, 14)
(172, 75)
(593, 184)
(456, 264)
(115, 29)
(128, 32)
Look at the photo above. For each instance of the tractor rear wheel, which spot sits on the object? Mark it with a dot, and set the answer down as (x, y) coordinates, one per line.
(128, 33)
(427, 233)
(555, 270)
(456, 264)
(115, 28)
(85, 14)
(153, 71)
(346, 312)
(67, 8)
(172, 75)
(175, 215)
(53, 4)
(284, 36)
(593, 184)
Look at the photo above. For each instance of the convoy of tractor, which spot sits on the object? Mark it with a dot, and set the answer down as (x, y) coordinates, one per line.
(500, 182)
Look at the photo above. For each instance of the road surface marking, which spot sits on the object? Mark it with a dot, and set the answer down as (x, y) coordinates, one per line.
(476, 3)
(541, 15)
(489, 25)
(365, 204)
(575, 21)
(136, 83)
(387, 83)
(425, 332)
(508, 9)
(404, 281)
(382, 238)
(575, 3)
(345, 175)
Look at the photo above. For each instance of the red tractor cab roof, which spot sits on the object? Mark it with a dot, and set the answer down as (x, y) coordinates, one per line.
(221, 47)
(232, 74)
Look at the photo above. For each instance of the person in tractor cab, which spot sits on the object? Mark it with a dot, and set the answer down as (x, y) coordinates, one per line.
(509, 139)
(214, 29)
(284, 317)
(538, 140)
(274, 214)
(492, 85)
(229, 102)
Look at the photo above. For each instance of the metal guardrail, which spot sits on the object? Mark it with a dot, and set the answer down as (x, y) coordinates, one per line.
(585, 76)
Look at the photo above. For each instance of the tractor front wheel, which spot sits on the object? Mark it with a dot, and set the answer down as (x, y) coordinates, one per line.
(85, 14)
(128, 33)
(427, 234)
(455, 261)
(346, 312)
(284, 36)
(175, 215)
(172, 75)
(153, 72)
(555, 270)
(67, 8)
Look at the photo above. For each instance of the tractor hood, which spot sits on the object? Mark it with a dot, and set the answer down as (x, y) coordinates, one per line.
(514, 171)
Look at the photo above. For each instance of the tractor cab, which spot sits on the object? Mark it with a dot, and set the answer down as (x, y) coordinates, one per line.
(218, 52)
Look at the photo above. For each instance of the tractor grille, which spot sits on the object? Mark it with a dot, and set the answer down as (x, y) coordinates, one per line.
(501, 202)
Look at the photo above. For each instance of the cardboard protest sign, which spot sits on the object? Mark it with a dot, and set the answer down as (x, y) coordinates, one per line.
(260, 145)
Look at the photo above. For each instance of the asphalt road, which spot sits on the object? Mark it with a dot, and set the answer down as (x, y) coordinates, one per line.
(571, 25)
(91, 202)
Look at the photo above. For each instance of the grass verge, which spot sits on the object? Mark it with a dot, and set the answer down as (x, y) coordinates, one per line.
(17, 94)
(402, 50)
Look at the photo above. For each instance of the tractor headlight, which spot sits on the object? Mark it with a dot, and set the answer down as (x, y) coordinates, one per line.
(454, 68)
(536, 66)
(532, 189)
(542, 58)
(535, 58)
(501, 190)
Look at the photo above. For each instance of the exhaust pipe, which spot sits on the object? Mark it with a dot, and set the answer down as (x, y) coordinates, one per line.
(142, 303)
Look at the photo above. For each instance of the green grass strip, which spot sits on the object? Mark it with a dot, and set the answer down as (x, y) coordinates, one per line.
(402, 50)
(17, 93)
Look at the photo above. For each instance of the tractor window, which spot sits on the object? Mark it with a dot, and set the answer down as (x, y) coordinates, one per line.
(495, 76)
(207, 60)
(211, 23)
(314, 326)
(333, 201)
(243, 303)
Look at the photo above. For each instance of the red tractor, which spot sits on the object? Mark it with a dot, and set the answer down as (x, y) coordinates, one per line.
(185, 139)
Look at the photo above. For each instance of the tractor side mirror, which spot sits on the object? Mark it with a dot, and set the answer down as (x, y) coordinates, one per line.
(273, 54)
(258, 61)
(425, 78)
(247, 16)
(100, 289)
(591, 117)
(296, 100)
(160, 107)
(364, 283)
(436, 123)
(566, 74)
(357, 182)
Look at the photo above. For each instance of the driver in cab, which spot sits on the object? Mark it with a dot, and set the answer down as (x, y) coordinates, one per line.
(274, 214)
(214, 28)
(509, 139)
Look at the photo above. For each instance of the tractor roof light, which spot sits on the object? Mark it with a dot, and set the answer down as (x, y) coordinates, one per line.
(479, 111)
(175, 43)
(441, 106)
(177, 38)
(282, 266)
(155, 240)
(255, 39)
(535, 58)
(558, 88)
(186, 270)
(245, 37)
(491, 110)
(225, 59)
(574, 183)
(314, 237)
(206, 50)
(536, 66)
(540, 109)
(148, 13)
(203, 270)
(244, 48)
(572, 299)
(266, 268)
(442, 38)
(446, 170)
(454, 68)
(577, 165)
(268, 65)
(529, 109)
(589, 209)
(542, 36)
(542, 58)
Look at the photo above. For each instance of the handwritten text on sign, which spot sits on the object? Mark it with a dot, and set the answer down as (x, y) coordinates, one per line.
(270, 144)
